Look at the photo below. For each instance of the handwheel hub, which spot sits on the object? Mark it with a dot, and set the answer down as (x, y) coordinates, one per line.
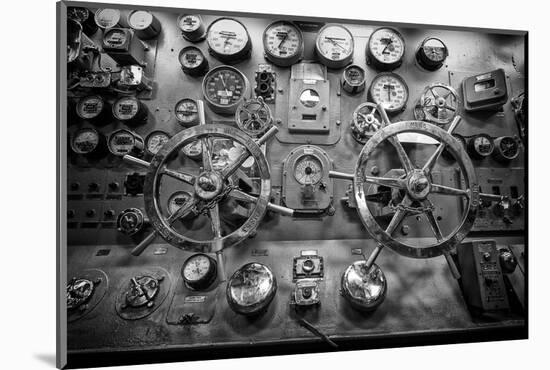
(418, 185)
(440, 102)
(209, 184)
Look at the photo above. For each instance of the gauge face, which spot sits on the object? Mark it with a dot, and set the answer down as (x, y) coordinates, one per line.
(354, 75)
(90, 107)
(386, 47)
(107, 18)
(85, 141)
(483, 145)
(130, 221)
(140, 19)
(434, 49)
(334, 45)
(224, 88)
(509, 147)
(193, 150)
(187, 111)
(227, 38)
(115, 38)
(78, 14)
(177, 200)
(283, 43)
(155, 141)
(196, 268)
(126, 108)
(189, 22)
(390, 90)
(308, 170)
(192, 60)
(121, 142)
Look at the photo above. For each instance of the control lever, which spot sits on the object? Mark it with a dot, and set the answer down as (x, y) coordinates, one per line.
(306, 324)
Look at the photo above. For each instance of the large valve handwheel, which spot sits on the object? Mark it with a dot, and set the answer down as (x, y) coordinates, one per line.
(209, 186)
(416, 184)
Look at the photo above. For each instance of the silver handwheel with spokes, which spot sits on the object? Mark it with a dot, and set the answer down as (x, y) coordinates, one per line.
(417, 186)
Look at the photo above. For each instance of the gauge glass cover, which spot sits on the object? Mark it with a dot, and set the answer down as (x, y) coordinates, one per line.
(282, 40)
(197, 268)
(335, 42)
(155, 141)
(224, 86)
(308, 170)
(90, 107)
(85, 141)
(386, 46)
(227, 36)
(189, 23)
(121, 142)
(390, 90)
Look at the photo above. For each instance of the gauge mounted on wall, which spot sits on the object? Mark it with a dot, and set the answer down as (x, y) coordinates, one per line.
(390, 90)
(224, 89)
(480, 146)
(432, 53)
(506, 148)
(334, 46)
(228, 40)
(192, 27)
(130, 109)
(122, 142)
(88, 141)
(187, 112)
(84, 17)
(92, 108)
(353, 79)
(199, 271)
(107, 18)
(144, 23)
(130, 221)
(193, 61)
(283, 43)
(154, 141)
(178, 200)
(385, 49)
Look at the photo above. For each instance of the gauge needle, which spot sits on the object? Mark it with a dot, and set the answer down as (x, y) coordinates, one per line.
(223, 83)
(336, 43)
(282, 41)
(389, 88)
(388, 43)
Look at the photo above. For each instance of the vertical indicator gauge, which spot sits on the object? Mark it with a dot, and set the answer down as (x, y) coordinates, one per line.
(228, 40)
(390, 90)
(334, 46)
(192, 27)
(283, 43)
(385, 49)
(224, 88)
(155, 140)
(432, 53)
(187, 112)
(192, 61)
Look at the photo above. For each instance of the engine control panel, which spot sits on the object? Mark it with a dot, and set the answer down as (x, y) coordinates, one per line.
(248, 181)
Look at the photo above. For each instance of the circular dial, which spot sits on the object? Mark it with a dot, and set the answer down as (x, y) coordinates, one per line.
(366, 121)
(481, 146)
(90, 107)
(177, 200)
(353, 79)
(251, 289)
(224, 88)
(432, 53)
(283, 43)
(386, 48)
(115, 38)
(140, 19)
(228, 40)
(78, 14)
(85, 141)
(107, 18)
(199, 271)
(334, 46)
(126, 108)
(192, 61)
(390, 90)
(193, 150)
(187, 112)
(130, 221)
(155, 140)
(308, 170)
(507, 148)
(122, 142)
(191, 26)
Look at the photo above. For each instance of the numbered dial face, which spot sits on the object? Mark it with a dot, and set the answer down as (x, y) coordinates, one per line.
(482, 146)
(155, 140)
(187, 111)
(85, 141)
(199, 271)
(192, 60)
(122, 142)
(390, 90)
(386, 48)
(308, 170)
(354, 75)
(126, 109)
(193, 150)
(189, 22)
(90, 107)
(224, 88)
(78, 14)
(115, 38)
(434, 50)
(283, 43)
(508, 147)
(228, 39)
(177, 200)
(334, 46)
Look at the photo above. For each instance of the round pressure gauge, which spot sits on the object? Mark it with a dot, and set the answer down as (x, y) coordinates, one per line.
(308, 170)
(364, 290)
(283, 43)
(130, 221)
(91, 107)
(334, 46)
(365, 122)
(199, 271)
(224, 88)
(84, 17)
(154, 141)
(177, 200)
(144, 23)
(87, 141)
(107, 18)
(228, 40)
(187, 112)
(251, 289)
(390, 90)
(193, 150)
(115, 38)
(385, 49)
(506, 148)
(432, 53)
(353, 79)
(122, 142)
(481, 146)
(192, 28)
(129, 109)
(192, 61)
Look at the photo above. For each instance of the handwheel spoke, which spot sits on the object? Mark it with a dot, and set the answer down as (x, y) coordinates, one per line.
(178, 175)
(244, 197)
(206, 154)
(403, 157)
(399, 215)
(234, 166)
(447, 106)
(214, 213)
(434, 93)
(428, 167)
(432, 221)
(183, 211)
(442, 189)
(386, 181)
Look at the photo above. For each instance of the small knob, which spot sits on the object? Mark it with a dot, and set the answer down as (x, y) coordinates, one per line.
(486, 256)
(114, 185)
(110, 213)
(306, 293)
(75, 186)
(90, 212)
(70, 213)
(93, 186)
